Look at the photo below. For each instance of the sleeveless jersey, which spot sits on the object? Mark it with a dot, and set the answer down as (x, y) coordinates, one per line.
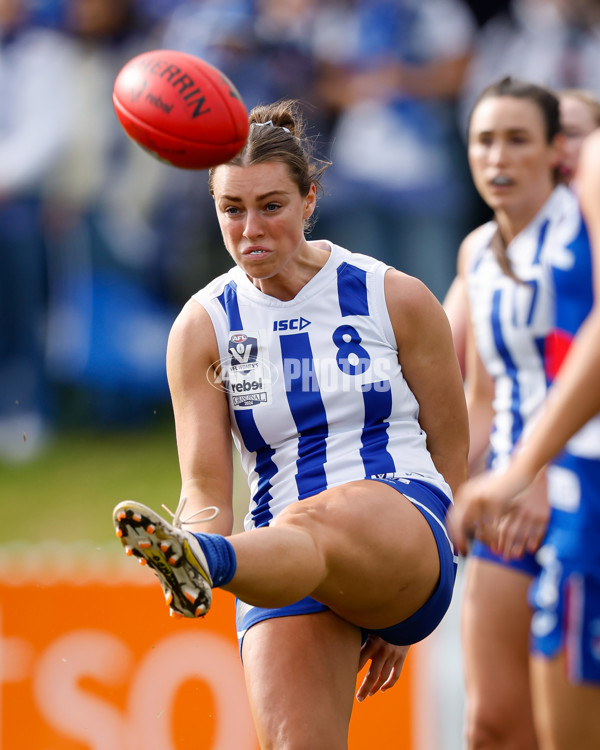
(316, 393)
(573, 283)
(574, 475)
(511, 319)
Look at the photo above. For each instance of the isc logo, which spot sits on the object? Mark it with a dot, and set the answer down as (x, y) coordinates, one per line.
(294, 324)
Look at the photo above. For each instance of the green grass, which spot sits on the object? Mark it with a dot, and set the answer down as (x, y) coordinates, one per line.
(67, 493)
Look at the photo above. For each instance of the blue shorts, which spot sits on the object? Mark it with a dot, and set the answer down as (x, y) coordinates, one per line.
(574, 494)
(434, 505)
(566, 616)
(526, 564)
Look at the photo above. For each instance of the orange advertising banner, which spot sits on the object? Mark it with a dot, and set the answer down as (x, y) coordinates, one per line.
(91, 660)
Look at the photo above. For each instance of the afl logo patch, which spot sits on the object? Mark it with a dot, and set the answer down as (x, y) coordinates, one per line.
(245, 373)
(243, 350)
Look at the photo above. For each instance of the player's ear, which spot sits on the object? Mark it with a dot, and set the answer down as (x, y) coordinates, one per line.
(310, 202)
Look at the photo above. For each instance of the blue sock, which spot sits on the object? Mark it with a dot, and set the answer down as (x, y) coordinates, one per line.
(220, 556)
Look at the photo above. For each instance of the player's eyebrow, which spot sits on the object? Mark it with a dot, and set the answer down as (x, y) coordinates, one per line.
(261, 197)
(510, 131)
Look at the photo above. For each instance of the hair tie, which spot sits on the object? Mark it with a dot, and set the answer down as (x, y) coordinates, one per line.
(269, 123)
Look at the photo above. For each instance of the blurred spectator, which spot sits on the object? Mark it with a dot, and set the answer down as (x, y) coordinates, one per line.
(579, 117)
(483, 12)
(391, 71)
(36, 72)
(108, 318)
(264, 46)
(555, 43)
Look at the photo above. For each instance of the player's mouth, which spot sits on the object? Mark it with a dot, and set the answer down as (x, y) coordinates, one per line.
(501, 182)
(255, 252)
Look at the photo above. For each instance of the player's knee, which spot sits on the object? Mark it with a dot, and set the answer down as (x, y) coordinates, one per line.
(489, 730)
(483, 735)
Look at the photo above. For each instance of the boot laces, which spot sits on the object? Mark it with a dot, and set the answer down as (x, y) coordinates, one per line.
(178, 521)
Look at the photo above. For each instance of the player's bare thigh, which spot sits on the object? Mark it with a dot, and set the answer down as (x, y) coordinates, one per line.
(382, 558)
(566, 713)
(301, 678)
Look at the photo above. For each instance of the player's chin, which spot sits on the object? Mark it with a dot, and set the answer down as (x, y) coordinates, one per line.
(258, 267)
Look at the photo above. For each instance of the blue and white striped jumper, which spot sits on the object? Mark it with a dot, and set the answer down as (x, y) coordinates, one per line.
(511, 318)
(566, 593)
(316, 392)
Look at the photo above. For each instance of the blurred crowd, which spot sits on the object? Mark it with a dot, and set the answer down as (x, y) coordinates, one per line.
(100, 245)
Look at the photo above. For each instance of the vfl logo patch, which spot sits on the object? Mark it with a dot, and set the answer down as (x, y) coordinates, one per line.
(243, 350)
(244, 374)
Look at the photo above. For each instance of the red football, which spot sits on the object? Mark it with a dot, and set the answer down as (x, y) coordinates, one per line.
(181, 109)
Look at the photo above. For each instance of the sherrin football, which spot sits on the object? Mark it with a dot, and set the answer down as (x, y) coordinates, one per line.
(180, 109)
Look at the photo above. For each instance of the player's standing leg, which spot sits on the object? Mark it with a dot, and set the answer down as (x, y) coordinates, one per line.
(495, 636)
(288, 711)
(567, 715)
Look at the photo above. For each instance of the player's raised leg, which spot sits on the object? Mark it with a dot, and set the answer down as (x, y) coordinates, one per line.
(387, 573)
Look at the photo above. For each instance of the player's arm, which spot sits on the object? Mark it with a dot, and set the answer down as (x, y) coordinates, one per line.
(202, 423)
(480, 394)
(426, 354)
(455, 307)
(479, 385)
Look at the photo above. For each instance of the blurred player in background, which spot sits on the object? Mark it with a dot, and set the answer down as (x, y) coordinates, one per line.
(504, 282)
(337, 377)
(579, 117)
(565, 660)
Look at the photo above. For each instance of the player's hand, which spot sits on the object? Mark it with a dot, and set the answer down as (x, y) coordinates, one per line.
(481, 504)
(385, 668)
(524, 528)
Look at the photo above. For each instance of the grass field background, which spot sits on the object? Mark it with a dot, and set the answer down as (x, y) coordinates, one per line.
(68, 491)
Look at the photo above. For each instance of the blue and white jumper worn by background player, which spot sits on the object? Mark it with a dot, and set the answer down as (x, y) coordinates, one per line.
(511, 318)
(566, 594)
(317, 399)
